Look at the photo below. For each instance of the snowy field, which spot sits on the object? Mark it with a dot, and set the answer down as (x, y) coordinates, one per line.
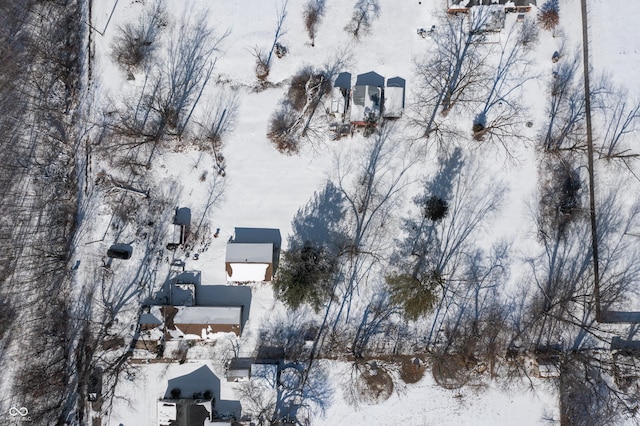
(264, 188)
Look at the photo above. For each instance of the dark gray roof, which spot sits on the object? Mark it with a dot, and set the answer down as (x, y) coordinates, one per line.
(343, 80)
(370, 79)
(396, 82)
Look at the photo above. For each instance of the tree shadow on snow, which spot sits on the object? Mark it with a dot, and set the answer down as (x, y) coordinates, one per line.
(320, 219)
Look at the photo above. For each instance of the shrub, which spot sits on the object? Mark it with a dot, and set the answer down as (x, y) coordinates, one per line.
(134, 43)
(435, 208)
(297, 93)
(305, 85)
(411, 369)
(549, 14)
(561, 197)
(417, 297)
(263, 68)
(281, 129)
(450, 371)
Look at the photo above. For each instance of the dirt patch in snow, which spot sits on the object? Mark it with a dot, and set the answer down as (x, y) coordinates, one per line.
(411, 369)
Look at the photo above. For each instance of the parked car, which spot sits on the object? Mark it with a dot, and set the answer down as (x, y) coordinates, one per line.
(120, 251)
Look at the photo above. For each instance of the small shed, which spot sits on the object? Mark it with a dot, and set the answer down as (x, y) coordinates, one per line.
(340, 95)
(393, 103)
(239, 369)
(367, 99)
(181, 225)
(253, 254)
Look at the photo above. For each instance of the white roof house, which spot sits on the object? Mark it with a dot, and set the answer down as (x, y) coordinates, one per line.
(249, 262)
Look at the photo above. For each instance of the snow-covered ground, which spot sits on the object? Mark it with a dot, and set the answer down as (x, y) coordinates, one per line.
(264, 188)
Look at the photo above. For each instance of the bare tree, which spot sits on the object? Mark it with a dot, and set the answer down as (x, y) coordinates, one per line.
(263, 59)
(369, 201)
(215, 194)
(433, 252)
(620, 116)
(258, 400)
(376, 318)
(170, 95)
(293, 121)
(189, 69)
(561, 195)
(219, 120)
(453, 72)
(313, 13)
(502, 113)
(40, 76)
(135, 43)
(367, 382)
(566, 110)
(364, 12)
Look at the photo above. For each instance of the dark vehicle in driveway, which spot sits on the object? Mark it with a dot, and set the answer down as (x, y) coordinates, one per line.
(120, 251)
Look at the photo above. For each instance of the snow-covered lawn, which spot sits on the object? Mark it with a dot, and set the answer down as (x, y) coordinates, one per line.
(264, 188)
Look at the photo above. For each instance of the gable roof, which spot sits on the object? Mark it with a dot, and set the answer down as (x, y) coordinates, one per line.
(149, 319)
(249, 253)
(370, 78)
(208, 315)
(257, 235)
(343, 81)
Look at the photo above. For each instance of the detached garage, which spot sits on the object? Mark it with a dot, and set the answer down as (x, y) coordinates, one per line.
(249, 262)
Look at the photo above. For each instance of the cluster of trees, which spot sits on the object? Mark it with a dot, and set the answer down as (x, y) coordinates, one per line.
(40, 78)
(459, 74)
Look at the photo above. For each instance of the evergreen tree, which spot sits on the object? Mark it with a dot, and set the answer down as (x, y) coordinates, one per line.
(305, 276)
